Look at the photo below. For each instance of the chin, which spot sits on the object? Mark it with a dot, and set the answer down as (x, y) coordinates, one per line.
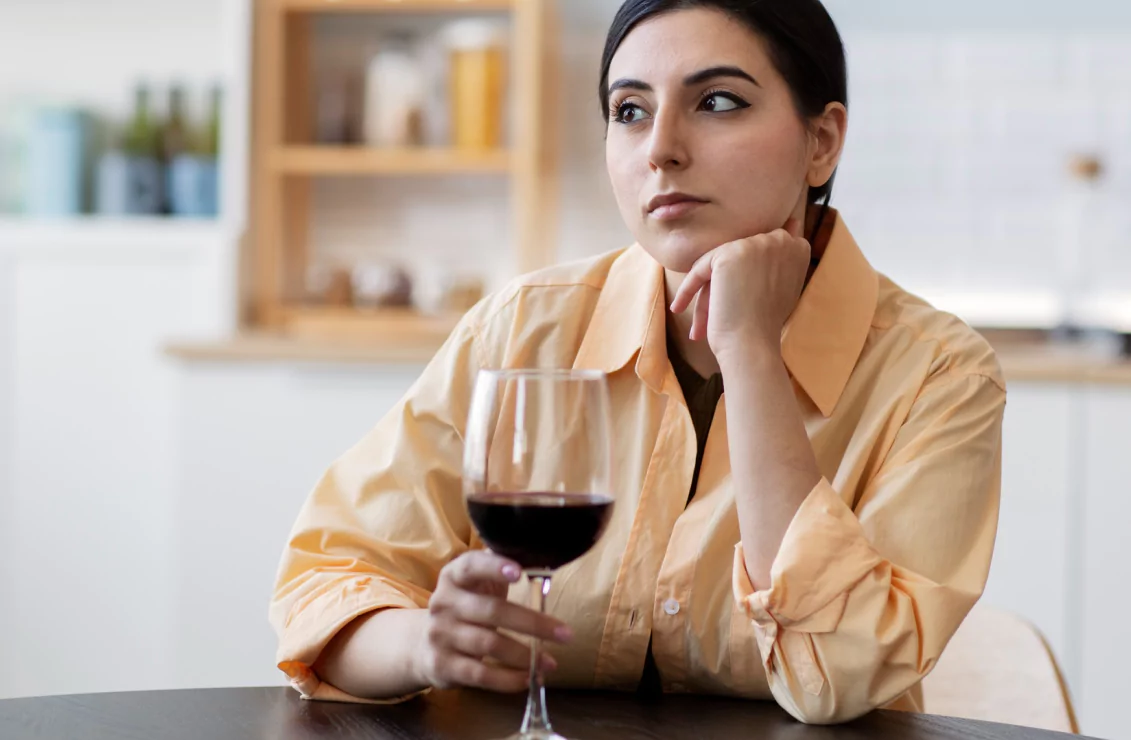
(678, 252)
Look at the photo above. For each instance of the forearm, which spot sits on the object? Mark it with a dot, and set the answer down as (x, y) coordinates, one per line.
(374, 656)
(772, 461)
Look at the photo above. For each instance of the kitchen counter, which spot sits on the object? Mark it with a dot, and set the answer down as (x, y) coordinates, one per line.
(1027, 356)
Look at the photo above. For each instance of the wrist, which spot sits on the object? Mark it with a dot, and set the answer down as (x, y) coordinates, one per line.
(749, 356)
(415, 660)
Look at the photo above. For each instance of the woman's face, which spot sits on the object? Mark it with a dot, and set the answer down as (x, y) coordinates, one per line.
(704, 145)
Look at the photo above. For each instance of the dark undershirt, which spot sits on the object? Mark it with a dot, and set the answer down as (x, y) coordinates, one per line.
(702, 396)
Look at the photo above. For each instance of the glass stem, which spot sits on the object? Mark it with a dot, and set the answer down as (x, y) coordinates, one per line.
(537, 718)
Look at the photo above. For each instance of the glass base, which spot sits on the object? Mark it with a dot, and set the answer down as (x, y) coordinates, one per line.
(535, 735)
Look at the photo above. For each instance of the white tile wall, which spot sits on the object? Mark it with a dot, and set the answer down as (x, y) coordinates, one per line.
(955, 176)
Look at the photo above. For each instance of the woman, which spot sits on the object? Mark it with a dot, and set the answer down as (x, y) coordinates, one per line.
(816, 536)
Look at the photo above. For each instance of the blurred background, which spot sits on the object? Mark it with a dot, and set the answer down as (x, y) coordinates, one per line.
(232, 232)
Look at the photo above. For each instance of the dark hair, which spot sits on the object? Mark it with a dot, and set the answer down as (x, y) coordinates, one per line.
(803, 43)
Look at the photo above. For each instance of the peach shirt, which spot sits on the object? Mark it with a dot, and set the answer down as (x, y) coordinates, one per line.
(903, 405)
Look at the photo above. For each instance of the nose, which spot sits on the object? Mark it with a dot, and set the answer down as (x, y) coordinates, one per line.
(667, 148)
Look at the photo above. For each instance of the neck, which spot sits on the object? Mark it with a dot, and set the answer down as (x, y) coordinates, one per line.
(697, 354)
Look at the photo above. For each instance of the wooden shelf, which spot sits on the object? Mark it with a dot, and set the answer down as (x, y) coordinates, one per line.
(396, 6)
(284, 167)
(347, 160)
(275, 347)
(402, 328)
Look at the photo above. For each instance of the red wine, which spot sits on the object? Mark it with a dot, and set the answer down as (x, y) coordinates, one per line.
(540, 531)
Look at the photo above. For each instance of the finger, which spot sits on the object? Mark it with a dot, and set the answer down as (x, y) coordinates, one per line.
(461, 670)
(481, 642)
(699, 276)
(498, 613)
(793, 227)
(479, 567)
(702, 310)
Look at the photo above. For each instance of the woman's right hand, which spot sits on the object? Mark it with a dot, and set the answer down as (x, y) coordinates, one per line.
(462, 645)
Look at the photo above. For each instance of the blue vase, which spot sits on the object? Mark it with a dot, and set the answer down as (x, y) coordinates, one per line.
(57, 153)
(192, 183)
(128, 185)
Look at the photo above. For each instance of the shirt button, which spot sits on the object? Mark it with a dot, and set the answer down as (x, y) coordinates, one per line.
(671, 607)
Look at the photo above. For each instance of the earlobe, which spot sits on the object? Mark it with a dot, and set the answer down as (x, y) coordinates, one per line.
(817, 178)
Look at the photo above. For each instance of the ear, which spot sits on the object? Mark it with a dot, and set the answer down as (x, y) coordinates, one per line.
(829, 132)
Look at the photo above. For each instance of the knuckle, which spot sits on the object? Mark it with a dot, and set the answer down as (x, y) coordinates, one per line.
(478, 674)
(489, 643)
(462, 567)
(494, 610)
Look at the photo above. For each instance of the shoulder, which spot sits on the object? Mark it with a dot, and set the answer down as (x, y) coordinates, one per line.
(905, 323)
(543, 314)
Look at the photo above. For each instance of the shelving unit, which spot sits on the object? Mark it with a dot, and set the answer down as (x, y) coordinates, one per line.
(285, 160)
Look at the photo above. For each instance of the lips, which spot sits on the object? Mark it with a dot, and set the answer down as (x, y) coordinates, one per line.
(669, 200)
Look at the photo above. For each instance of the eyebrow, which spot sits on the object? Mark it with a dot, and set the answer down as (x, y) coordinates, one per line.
(697, 78)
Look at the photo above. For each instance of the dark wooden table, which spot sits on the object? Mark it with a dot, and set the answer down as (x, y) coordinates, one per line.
(278, 714)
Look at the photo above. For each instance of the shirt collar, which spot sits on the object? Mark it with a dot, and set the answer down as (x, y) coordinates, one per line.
(826, 333)
(821, 342)
(630, 321)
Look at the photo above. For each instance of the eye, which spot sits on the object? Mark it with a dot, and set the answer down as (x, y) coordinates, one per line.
(722, 102)
(629, 113)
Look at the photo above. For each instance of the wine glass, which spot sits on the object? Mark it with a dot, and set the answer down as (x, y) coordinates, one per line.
(537, 482)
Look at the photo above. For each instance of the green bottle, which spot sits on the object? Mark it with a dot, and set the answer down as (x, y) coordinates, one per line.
(174, 134)
(210, 144)
(141, 134)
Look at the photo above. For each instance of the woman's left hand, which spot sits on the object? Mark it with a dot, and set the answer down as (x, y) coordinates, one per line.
(746, 290)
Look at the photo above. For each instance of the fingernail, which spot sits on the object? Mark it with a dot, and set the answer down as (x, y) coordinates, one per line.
(548, 662)
(563, 634)
(511, 572)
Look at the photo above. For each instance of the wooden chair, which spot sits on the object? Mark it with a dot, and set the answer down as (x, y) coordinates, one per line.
(999, 668)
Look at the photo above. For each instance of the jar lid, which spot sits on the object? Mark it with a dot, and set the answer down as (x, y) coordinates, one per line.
(474, 34)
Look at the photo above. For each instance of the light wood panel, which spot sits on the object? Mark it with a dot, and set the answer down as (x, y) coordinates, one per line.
(358, 160)
(396, 6)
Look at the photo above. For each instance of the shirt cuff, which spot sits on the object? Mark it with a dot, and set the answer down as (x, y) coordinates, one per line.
(823, 555)
(312, 625)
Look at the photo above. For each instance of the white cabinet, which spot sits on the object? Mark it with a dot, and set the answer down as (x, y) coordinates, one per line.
(254, 440)
(7, 440)
(1106, 564)
(1030, 574)
(88, 409)
(144, 502)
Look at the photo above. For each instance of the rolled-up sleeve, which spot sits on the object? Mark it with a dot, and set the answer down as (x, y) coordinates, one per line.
(864, 597)
(383, 520)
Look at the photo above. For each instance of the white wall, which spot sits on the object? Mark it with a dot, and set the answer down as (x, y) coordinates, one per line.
(91, 52)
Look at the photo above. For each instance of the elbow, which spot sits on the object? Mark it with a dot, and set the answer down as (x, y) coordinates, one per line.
(826, 712)
(826, 702)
